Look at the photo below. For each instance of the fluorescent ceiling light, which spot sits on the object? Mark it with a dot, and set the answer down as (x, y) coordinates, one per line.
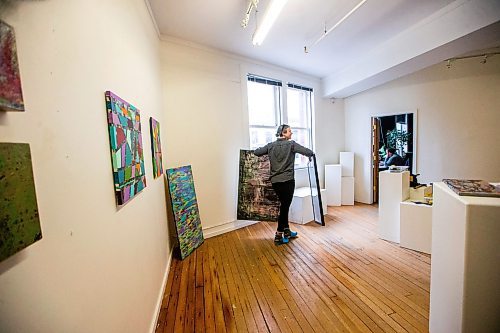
(270, 16)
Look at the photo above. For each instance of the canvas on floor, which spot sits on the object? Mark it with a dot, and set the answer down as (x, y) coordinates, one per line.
(19, 221)
(257, 200)
(185, 209)
(124, 122)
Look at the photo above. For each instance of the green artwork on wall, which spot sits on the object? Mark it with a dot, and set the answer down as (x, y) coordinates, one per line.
(19, 222)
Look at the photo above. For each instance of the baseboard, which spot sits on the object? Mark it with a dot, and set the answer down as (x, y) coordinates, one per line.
(226, 227)
(152, 329)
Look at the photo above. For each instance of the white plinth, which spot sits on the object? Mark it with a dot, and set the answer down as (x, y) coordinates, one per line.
(347, 163)
(394, 188)
(465, 263)
(333, 184)
(416, 226)
(301, 210)
(347, 191)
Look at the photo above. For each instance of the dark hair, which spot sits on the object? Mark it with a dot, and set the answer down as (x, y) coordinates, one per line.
(391, 150)
(281, 129)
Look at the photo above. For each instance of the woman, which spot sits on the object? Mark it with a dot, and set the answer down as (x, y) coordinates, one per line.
(282, 156)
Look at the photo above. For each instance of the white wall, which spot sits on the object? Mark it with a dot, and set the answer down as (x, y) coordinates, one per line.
(206, 121)
(458, 120)
(97, 268)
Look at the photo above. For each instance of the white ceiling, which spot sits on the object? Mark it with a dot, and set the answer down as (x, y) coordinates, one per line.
(376, 24)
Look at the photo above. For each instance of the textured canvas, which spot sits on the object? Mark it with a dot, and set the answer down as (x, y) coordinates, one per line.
(257, 199)
(476, 188)
(19, 222)
(185, 209)
(124, 121)
(11, 96)
(156, 147)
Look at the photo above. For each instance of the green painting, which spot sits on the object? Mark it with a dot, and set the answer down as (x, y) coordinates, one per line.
(19, 222)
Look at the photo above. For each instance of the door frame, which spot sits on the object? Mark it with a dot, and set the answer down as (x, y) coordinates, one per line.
(414, 139)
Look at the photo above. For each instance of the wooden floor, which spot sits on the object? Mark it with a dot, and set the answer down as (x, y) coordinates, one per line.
(337, 278)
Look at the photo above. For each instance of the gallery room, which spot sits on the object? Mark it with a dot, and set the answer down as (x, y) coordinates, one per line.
(125, 126)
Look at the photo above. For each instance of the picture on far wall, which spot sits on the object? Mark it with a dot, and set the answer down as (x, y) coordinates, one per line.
(185, 209)
(11, 95)
(257, 200)
(19, 221)
(156, 147)
(124, 121)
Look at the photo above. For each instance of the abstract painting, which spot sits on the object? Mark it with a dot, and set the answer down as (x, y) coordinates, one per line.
(185, 209)
(257, 199)
(11, 95)
(156, 147)
(124, 121)
(19, 222)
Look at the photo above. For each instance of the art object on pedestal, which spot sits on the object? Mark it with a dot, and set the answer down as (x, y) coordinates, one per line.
(124, 121)
(257, 199)
(475, 188)
(19, 220)
(185, 209)
(11, 95)
(156, 147)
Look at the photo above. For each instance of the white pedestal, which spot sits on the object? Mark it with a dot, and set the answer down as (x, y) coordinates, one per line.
(416, 226)
(394, 188)
(347, 163)
(333, 183)
(347, 191)
(301, 210)
(465, 266)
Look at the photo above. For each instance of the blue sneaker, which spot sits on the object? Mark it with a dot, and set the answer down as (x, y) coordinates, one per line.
(280, 238)
(289, 233)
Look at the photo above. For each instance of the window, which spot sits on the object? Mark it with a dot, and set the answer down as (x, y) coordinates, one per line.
(266, 112)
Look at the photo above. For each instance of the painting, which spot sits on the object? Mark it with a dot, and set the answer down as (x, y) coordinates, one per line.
(257, 200)
(11, 95)
(19, 221)
(156, 147)
(185, 209)
(124, 122)
(476, 188)
(312, 170)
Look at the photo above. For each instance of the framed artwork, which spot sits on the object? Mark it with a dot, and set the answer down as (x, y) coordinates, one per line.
(11, 95)
(312, 170)
(156, 147)
(185, 209)
(124, 122)
(19, 221)
(257, 199)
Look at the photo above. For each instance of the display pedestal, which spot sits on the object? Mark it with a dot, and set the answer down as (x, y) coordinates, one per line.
(301, 209)
(416, 226)
(333, 184)
(394, 188)
(465, 267)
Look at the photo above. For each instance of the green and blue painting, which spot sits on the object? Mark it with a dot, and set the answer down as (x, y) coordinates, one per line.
(19, 221)
(124, 121)
(185, 209)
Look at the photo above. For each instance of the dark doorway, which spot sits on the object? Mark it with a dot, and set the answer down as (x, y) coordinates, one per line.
(393, 131)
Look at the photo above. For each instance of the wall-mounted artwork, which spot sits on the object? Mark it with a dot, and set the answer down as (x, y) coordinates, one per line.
(19, 222)
(185, 209)
(257, 199)
(156, 147)
(124, 121)
(11, 95)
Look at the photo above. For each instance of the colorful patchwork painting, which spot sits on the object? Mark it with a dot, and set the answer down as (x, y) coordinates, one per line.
(19, 221)
(156, 147)
(185, 209)
(124, 121)
(257, 199)
(11, 95)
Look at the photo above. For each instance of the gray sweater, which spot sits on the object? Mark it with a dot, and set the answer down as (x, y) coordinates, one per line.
(282, 155)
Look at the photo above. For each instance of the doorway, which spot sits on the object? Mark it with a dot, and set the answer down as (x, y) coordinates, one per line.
(397, 131)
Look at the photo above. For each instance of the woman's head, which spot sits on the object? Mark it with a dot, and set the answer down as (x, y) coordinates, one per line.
(284, 131)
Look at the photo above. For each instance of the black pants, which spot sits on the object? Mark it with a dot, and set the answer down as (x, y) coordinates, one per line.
(284, 191)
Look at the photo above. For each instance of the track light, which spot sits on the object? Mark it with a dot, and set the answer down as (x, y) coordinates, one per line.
(270, 16)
